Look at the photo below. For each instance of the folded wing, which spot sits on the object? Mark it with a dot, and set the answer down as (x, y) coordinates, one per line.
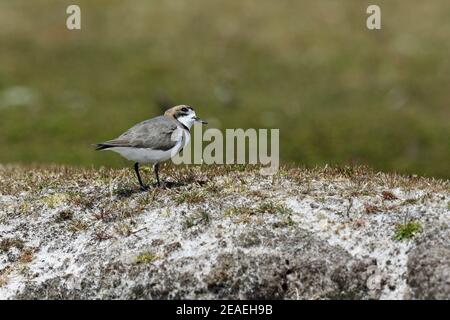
(155, 134)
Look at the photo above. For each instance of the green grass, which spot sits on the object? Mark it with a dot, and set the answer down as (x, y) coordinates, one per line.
(146, 257)
(407, 230)
(190, 196)
(200, 218)
(340, 94)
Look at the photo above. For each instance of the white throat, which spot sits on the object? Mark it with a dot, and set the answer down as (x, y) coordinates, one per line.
(188, 121)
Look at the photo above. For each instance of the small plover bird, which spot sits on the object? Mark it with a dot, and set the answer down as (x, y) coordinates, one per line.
(156, 140)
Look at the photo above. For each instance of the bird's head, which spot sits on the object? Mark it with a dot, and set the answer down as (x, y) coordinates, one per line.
(185, 114)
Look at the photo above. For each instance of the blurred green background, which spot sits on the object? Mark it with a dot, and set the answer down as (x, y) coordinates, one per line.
(338, 92)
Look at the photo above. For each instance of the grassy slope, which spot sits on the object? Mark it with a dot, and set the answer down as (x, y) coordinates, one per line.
(338, 92)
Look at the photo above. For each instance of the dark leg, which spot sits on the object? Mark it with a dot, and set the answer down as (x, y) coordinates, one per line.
(136, 168)
(156, 168)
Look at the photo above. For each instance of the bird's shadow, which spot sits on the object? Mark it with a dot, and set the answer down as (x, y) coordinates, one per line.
(126, 192)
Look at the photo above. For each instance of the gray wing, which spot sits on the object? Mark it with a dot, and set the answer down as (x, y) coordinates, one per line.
(155, 134)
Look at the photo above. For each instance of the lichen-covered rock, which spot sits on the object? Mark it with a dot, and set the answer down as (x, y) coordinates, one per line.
(298, 266)
(304, 268)
(429, 265)
(222, 232)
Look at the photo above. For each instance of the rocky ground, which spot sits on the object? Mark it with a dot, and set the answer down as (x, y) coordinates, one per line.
(223, 232)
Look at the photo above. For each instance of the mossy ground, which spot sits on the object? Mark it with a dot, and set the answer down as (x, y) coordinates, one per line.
(57, 217)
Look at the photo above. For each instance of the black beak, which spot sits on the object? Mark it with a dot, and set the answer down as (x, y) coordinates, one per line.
(197, 119)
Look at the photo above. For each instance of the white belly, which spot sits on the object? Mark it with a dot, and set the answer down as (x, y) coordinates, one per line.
(146, 155)
(143, 155)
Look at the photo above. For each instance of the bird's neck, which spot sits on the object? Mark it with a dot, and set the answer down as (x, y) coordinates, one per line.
(185, 122)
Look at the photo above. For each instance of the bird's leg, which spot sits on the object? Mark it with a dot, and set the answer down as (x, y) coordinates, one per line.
(136, 168)
(156, 168)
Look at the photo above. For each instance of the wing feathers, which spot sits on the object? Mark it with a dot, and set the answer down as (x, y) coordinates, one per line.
(154, 134)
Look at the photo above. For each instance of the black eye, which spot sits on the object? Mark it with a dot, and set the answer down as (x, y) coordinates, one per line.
(184, 109)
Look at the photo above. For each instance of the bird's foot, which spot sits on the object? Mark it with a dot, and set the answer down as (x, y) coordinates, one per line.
(145, 188)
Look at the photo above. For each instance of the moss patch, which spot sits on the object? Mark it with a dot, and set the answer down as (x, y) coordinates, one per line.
(55, 200)
(407, 230)
(146, 257)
